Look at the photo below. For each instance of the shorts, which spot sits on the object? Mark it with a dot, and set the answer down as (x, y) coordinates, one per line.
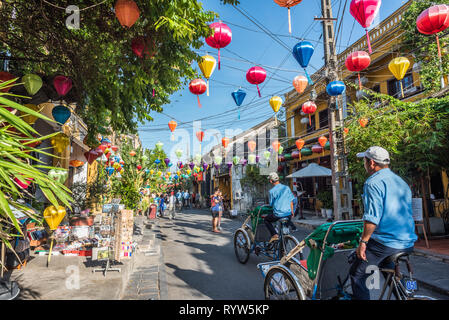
(215, 213)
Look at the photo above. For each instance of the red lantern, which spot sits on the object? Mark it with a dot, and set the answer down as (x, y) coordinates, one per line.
(108, 155)
(358, 61)
(308, 108)
(363, 122)
(91, 156)
(127, 12)
(433, 20)
(317, 149)
(364, 11)
(256, 75)
(139, 167)
(200, 136)
(114, 148)
(6, 76)
(122, 162)
(221, 38)
(62, 85)
(225, 142)
(198, 86)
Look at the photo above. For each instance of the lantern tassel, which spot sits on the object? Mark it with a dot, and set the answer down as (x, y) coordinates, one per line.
(439, 48)
(239, 113)
(258, 90)
(336, 103)
(207, 87)
(402, 89)
(199, 103)
(172, 138)
(310, 120)
(219, 64)
(360, 81)
(368, 42)
(275, 120)
(289, 22)
(309, 79)
(49, 252)
(153, 93)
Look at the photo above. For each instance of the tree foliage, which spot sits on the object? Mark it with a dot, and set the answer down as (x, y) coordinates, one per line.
(112, 86)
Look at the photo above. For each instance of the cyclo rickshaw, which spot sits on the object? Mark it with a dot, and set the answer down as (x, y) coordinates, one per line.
(325, 273)
(254, 236)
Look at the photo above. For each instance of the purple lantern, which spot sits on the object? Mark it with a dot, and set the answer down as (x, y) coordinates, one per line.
(229, 164)
(243, 162)
(167, 161)
(179, 164)
(191, 165)
(205, 165)
(216, 166)
(257, 159)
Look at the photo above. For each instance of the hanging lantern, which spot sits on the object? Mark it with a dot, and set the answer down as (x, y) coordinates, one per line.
(256, 75)
(198, 86)
(62, 85)
(281, 149)
(207, 67)
(127, 12)
(32, 83)
(225, 142)
(252, 145)
(346, 130)
(300, 83)
(28, 118)
(6, 76)
(398, 67)
(296, 154)
(200, 136)
(358, 61)
(327, 146)
(238, 96)
(139, 167)
(60, 175)
(172, 125)
(317, 149)
(114, 148)
(302, 52)
(300, 144)
(252, 159)
(159, 145)
(309, 107)
(288, 4)
(178, 153)
(236, 160)
(306, 152)
(267, 155)
(218, 160)
(335, 88)
(91, 155)
(191, 165)
(276, 103)
(157, 161)
(132, 153)
(76, 163)
(229, 164)
(364, 11)
(276, 145)
(151, 171)
(53, 216)
(322, 141)
(60, 142)
(167, 161)
(363, 122)
(142, 46)
(434, 20)
(25, 184)
(221, 37)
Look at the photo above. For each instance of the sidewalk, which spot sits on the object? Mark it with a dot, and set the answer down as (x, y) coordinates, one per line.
(430, 266)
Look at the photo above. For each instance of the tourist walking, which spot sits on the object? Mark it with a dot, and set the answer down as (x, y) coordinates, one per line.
(215, 209)
(220, 212)
(162, 204)
(388, 222)
(171, 206)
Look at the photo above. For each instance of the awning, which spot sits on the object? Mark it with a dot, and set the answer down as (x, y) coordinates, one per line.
(312, 170)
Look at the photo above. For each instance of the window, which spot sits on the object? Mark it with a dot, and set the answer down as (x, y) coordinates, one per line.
(267, 136)
(394, 86)
(234, 149)
(245, 149)
(323, 118)
(311, 128)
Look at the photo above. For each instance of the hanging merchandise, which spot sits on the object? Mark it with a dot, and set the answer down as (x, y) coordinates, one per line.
(335, 88)
(238, 96)
(434, 20)
(159, 145)
(252, 145)
(110, 171)
(276, 103)
(32, 83)
(207, 67)
(127, 12)
(62, 85)
(398, 67)
(288, 4)
(322, 141)
(60, 175)
(172, 125)
(358, 61)
(303, 52)
(256, 75)
(76, 163)
(225, 142)
(60, 142)
(300, 83)
(364, 11)
(28, 118)
(221, 37)
(6, 76)
(178, 153)
(309, 107)
(91, 155)
(197, 87)
(363, 122)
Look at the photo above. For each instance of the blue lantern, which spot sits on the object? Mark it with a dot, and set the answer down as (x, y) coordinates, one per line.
(157, 161)
(302, 52)
(110, 170)
(335, 88)
(147, 171)
(176, 177)
(238, 96)
(170, 164)
(61, 114)
(105, 140)
(116, 159)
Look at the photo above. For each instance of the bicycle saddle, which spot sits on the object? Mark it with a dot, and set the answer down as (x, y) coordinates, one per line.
(395, 257)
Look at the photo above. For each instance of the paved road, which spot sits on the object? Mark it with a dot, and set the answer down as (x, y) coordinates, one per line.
(201, 265)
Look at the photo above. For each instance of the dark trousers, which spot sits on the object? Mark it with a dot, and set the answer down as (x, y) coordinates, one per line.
(272, 218)
(376, 253)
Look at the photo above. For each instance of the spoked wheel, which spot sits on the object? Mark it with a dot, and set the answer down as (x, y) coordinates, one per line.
(279, 285)
(289, 243)
(241, 246)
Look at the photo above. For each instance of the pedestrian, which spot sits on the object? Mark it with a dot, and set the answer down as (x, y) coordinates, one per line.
(281, 200)
(388, 226)
(179, 200)
(162, 204)
(220, 212)
(215, 210)
(171, 205)
(193, 199)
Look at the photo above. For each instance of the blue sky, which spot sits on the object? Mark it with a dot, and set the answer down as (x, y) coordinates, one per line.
(251, 46)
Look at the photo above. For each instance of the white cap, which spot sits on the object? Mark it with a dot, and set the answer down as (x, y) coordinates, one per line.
(378, 154)
(273, 177)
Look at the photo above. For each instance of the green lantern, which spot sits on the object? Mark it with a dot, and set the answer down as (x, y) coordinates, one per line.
(288, 157)
(178, 153)
(306, 151)
(327, 146)
(218, 160)
(32, 83)
(252, 159)
(281, 149)
(236, 160)
(159, 145)
(267, 155)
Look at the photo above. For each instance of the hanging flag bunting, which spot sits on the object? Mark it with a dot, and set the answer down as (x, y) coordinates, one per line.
(238, 96)
(303, 52)
(221, 37)
(207, 67)
(256, 75)
(364, 11)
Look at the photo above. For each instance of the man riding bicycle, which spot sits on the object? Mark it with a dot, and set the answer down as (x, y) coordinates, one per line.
(281, 200)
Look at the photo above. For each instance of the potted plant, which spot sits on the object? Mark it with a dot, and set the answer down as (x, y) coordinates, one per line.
(327, 202)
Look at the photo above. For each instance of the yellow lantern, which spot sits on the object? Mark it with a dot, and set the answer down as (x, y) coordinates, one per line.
(53, 216)
(276, 103)
(207, 67)
(189, 171)
(28, 118)
(169, 174)
(398, 67)
(60, 142)
(151, 171)
(159, 173)
(178, 172)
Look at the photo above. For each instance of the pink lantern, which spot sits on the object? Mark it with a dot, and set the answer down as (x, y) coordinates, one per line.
(256, 75)
(62, 85)
(309, 107)
(364, 11)
(221, 38)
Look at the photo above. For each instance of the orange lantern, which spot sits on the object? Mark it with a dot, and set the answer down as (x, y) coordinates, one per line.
(288, 4)
(346, 130)
(252, 145)
(76, 163)
(322, 141)
(300, 144)
(363, 122)
(300, 83)
(200, 136)
(276, 145)
(127, 12)
(132, 153)
(225, 142)
(172, 125)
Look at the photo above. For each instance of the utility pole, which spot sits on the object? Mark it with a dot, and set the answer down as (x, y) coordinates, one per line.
(341, 188)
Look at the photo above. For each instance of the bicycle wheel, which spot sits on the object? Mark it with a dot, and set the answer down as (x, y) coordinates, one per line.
(279, 285)
(241, 245)
(291, 242)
